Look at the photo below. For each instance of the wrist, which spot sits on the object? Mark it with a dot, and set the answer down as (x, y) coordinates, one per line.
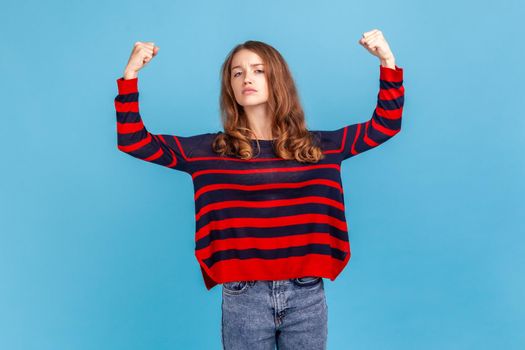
(389, 62)
(129, 74)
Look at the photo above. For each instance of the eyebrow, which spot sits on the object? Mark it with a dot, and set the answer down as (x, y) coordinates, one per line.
(251, 65)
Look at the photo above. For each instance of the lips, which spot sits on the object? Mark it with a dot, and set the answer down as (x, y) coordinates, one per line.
(247, 91)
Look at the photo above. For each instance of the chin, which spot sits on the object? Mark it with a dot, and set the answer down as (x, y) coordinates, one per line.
(251, 103)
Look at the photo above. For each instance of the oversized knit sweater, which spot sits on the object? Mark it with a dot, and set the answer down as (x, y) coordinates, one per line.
(265, 218)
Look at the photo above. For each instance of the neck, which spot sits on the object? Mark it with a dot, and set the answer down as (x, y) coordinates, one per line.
(259, 121)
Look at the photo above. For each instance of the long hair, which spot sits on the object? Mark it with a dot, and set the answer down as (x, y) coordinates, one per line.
(292, 139)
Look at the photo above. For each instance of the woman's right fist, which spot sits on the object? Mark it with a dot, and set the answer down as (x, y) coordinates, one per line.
(141, 54)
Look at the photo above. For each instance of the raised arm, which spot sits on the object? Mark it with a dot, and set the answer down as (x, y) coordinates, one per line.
(134, 139)
(386, 118)
(132, 136)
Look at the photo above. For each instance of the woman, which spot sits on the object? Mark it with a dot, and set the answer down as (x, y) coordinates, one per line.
(271, 224)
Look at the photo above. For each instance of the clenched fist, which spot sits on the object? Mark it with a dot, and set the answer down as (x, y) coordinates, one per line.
(376, 44)
(141, 54)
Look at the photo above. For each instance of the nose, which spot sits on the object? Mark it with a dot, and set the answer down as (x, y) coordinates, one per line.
(247, 79)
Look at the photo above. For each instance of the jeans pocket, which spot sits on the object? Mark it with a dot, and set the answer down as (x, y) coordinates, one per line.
(307, 281)
(235, 287)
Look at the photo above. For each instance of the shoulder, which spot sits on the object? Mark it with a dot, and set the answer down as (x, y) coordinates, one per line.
(329, 139)
(196, 139)
(198, 144)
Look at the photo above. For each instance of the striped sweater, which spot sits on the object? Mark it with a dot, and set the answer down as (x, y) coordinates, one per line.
(266, 218)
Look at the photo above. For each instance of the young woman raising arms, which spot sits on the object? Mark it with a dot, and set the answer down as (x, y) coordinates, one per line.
(269, 204)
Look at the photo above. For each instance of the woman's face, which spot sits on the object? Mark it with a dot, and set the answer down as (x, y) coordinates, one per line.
(248, 72)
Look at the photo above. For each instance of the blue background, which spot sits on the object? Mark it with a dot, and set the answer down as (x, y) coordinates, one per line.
(96, 247)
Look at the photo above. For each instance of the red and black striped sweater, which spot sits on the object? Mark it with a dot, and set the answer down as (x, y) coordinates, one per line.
(265, 218)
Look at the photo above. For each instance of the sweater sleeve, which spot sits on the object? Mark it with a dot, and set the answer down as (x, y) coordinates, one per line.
(134, 139)
(385, 122)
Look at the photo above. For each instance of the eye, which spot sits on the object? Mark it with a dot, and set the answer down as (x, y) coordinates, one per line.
(257, 70)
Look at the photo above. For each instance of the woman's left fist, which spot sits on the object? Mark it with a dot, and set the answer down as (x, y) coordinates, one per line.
(375, 43)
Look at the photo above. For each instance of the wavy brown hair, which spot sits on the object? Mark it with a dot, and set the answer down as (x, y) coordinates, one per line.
(293, 140)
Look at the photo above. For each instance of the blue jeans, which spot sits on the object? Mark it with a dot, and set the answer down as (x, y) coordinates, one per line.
(291, 314)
